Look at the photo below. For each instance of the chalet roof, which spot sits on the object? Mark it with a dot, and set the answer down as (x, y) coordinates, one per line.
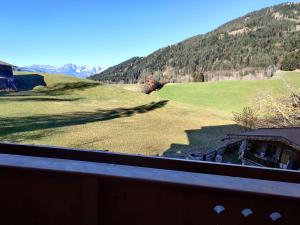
(289, 136)
(2, 63)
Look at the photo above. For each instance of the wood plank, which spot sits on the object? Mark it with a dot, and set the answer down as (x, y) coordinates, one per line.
(207, 181)
(153, 162)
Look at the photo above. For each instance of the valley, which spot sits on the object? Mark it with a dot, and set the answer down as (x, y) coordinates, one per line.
(194, 88)
(80, 113)
(150, 112)
(253, 46)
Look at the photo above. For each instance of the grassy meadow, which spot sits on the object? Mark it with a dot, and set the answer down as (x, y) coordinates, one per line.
(80, 113)
(228, 96)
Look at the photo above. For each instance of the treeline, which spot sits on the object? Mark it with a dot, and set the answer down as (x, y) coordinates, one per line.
(268, 38)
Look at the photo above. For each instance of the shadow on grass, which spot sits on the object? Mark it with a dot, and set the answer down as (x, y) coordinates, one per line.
(35, 85)
(36, 99)
(29, 137)
(10, 126)
(202, 140)
(66, 88)
(29, 82)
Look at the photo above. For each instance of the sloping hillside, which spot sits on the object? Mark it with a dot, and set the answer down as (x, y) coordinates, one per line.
(228, 96)
(257, 43)
(79, 113)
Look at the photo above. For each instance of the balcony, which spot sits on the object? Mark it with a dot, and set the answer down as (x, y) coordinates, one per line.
(46, 185)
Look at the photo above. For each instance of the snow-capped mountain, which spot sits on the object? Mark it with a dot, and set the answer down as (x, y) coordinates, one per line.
(69, 69)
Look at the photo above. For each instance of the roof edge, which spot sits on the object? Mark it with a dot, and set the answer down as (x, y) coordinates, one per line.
(5, 63)
(263, 137)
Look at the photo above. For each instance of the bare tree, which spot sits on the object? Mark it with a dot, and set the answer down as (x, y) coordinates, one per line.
(247, 118)
(152, 84)
(272, 110)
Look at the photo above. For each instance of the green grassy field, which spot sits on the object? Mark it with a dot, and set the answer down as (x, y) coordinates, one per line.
(79, 113)
(227, 96)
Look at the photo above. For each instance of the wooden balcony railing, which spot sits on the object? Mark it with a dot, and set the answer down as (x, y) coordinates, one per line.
(43, 185)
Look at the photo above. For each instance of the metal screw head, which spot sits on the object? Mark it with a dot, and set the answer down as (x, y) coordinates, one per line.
(247, 212)
(275, 216)
(219, 209)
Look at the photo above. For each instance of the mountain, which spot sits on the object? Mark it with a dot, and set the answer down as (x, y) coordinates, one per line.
(69, 69)
(254, 45)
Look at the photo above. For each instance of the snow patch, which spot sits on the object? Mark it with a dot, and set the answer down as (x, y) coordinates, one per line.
(68, 69)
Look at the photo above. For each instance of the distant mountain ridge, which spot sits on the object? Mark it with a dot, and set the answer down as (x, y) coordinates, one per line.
(68, 69)
(256, 45)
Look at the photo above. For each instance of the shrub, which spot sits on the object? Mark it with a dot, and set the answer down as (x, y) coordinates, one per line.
(151, 84)
(247, 118)
(271, 111)
(198, 77)
(291, 61)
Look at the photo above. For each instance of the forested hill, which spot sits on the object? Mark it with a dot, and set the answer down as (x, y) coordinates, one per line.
(253, 45)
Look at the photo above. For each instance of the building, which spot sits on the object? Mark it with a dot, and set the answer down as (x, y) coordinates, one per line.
(272, 147)
(6, 76)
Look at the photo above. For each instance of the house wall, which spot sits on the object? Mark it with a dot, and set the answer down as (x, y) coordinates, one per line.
(3, 84)
(6, 71)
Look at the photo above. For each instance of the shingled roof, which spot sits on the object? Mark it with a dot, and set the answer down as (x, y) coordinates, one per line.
(5, 63)
(289, 136)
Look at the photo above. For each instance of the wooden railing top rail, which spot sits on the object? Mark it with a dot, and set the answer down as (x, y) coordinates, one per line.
(206, 181)
(153, 162)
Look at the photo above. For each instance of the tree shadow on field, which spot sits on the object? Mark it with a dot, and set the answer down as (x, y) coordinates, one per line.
(66, 88)
(202, 140)
(28, 136)
(10, 99)
(10, 126)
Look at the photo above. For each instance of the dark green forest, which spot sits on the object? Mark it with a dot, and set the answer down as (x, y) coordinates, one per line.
(259, 42)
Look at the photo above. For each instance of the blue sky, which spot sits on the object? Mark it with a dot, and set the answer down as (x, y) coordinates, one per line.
(106, 32)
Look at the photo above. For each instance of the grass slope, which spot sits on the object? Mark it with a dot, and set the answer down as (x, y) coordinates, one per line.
(227, 96)
(79, 113)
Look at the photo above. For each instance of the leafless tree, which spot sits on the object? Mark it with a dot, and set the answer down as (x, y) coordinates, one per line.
(271, 110)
